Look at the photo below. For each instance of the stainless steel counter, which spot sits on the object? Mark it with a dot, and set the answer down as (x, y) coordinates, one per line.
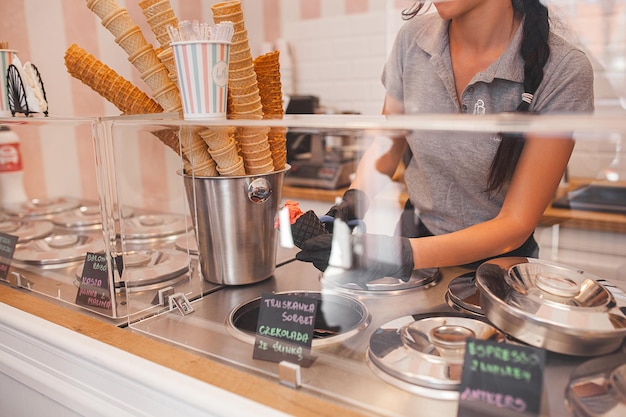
(341, 371)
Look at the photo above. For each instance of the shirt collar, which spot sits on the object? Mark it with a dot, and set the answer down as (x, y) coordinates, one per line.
(509, 66)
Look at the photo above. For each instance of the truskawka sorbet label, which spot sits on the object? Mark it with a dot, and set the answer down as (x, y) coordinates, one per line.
(285, 329)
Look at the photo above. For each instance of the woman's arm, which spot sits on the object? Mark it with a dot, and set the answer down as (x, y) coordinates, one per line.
(538, 173)
(381, 159)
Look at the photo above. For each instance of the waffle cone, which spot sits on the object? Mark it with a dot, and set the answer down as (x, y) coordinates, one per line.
(234, 170)
(144, 58)
(156, 77)
(118, 22)
(226, 8)
(131, 40)
(110, 85)
(260, 169)
(152, 7)
(226, 156)
(168, 97)
(206, 169)
(166, 56)
(163, 16)
(170, 138)
(103, 8)
(217, 137)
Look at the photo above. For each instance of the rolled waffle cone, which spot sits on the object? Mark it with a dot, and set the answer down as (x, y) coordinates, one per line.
(234, 170)
(227, 156)
(103, 8)
(118, 22)
(144, 58)
(110, 84)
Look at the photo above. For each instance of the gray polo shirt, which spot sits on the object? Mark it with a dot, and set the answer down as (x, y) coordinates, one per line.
(448, 173)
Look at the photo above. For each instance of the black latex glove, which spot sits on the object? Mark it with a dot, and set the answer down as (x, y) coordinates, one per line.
(375, 257)
(353, 206)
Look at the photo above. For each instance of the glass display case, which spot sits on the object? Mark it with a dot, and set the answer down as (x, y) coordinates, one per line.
(195, 259)
(370, 347)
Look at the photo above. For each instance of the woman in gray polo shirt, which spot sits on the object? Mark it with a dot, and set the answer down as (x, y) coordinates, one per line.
(477, 196)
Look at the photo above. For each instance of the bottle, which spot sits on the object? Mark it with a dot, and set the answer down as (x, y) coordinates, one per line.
(11, 170)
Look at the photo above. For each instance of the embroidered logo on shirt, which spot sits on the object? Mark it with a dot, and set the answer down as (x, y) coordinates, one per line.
(479, 108)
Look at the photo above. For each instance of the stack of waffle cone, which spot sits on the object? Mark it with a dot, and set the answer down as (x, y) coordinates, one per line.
(223, 149)
(267, 68)
(244, 100)
(196, 153)
(242, 83)
(103, 8)
(160, 15)
(129, 37)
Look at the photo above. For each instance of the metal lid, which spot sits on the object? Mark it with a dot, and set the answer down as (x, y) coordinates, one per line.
(58, 249)
(143, 268)
(151, 226)
(551, 306)
(25, 231)
(420, 279)
(597, 388)
(463, 295)
(149, 269)
(427, 350)
(187, 243)
(42, 206)
(87, 215)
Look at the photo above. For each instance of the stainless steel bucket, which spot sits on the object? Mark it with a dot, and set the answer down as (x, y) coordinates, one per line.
(234, 218)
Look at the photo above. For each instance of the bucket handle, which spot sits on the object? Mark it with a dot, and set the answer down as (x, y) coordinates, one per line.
(259, 190)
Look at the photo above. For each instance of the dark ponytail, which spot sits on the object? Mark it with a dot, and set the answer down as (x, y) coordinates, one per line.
(535, 52)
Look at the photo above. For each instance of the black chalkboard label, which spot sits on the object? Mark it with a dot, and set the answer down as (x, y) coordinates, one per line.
(93, 289)
(501, 379)
(285, 329)
(7, 248)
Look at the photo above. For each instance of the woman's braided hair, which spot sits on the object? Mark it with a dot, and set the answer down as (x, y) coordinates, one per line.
(535, 51)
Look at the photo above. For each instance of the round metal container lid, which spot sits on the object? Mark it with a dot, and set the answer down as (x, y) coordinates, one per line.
(427, 350)
(87, 215)
(26, 231)
(151, 226)
(42, 207)
(551, 306)
(148, 269)
(420, 279)
(463, 295)
(187, 243)
(58, 249)
(597, 388)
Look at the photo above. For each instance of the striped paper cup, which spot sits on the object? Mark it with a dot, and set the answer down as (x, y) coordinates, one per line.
(202, 77)
(6, 59)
